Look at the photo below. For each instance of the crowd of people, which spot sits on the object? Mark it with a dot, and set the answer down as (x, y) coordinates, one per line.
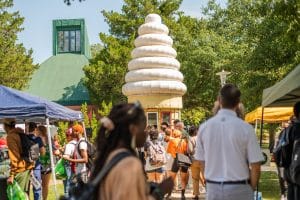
(136, 161)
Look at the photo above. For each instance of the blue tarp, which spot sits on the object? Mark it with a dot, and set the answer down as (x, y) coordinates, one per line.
(20, 105)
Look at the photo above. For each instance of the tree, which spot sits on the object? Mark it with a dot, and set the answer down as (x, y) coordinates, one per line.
(265, 37)
(105, 73)
(16, 64)
(95, 49)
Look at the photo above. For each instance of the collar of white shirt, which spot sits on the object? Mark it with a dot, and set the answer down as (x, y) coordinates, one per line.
(225, 111)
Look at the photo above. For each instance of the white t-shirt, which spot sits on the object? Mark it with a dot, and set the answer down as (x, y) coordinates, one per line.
(227, 144)
(80, 167)
(70, 148)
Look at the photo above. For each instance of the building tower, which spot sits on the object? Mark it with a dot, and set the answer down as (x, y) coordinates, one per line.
(154, 78)
(60, 77)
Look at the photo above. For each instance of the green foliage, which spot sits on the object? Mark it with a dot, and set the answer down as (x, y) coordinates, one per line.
(95, 49)
(105, 108)
(61, 132)
(92, 120)
(16, 64)
(193, 116)
(265, 37)
(105, 74)
(257, 41)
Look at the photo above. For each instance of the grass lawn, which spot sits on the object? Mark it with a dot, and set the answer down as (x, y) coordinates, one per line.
(51, 195)
(269, 186)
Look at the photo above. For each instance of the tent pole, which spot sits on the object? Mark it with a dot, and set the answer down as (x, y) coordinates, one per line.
(260, 141)
(261, 126)
(256, 123)
(84, 131)
(51, 157)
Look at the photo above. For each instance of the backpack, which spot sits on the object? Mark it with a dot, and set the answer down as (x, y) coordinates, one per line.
(294, 168)
(91, 152)
(157, 154)
(281, 152)
(83, 191)
(30, 149)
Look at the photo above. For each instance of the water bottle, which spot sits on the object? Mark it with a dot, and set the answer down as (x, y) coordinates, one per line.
(35, 183)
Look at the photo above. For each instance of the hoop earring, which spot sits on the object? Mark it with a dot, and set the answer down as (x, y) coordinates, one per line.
(133, 142)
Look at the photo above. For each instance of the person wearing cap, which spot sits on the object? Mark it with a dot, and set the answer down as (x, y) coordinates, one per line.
(19, 168)
(80, 157)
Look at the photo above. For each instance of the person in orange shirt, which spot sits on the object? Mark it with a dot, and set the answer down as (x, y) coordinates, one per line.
(178, 144)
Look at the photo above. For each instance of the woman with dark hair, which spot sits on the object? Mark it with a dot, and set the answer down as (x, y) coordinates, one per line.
(155, 156)
(123, 131)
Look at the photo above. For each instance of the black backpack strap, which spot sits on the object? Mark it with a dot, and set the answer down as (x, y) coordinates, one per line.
(78, 144)
(102, 174)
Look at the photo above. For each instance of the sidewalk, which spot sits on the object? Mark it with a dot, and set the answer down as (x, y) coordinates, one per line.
(188, 194)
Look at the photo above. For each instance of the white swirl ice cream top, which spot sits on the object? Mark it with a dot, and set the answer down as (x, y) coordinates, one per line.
(154, 68)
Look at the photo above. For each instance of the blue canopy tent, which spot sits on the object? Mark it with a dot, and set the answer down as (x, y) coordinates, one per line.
(20, 105)
(23, 106)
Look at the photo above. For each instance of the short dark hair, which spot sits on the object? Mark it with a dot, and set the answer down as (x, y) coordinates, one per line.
(193, 131)
(32, 126)
(297, 110)
(230, 96)
(176, 121)
(165, 123)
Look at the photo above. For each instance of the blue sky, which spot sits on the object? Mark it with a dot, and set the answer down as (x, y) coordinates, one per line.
(40, 13)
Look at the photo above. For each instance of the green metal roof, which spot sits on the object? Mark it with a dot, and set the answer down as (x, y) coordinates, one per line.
(59, 79)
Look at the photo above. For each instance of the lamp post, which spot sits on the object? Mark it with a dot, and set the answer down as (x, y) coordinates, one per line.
(223, 75)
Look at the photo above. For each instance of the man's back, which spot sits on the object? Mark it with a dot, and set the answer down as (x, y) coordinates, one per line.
(229, 145)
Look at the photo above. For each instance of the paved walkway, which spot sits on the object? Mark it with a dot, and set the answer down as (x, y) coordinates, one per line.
(189, 191)
(188, 194)
(176, 194)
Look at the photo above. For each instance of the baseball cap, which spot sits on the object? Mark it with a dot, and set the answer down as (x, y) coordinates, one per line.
(77, 128)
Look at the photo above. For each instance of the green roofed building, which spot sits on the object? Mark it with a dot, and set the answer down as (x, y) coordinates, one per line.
(59, 78)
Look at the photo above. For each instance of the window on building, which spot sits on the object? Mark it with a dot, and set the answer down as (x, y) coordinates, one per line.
(166, 117)
(68, 41)
(152, 118)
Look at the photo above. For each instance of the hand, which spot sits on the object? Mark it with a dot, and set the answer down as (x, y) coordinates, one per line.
(166, 186)
(10, 180)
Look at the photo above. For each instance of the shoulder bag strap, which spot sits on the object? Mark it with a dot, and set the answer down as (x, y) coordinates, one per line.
(92, 186)
(179, 145)
(108, 167)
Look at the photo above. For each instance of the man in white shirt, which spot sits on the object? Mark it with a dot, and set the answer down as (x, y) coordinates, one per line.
(80, 157)
(228, 151)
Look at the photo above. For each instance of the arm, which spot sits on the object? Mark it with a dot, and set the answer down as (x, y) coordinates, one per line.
(84, 158)
(254, 174)
(82, 152)
(202, 168)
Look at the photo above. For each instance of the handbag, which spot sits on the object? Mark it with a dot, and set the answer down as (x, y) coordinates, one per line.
(183, 160)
